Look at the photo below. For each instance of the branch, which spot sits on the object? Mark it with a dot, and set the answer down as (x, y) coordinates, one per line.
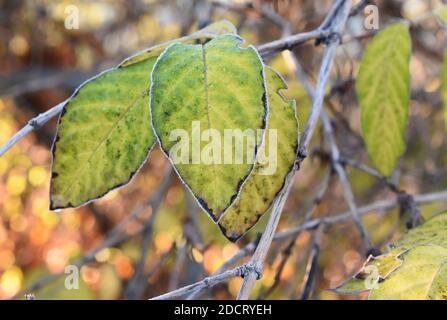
(344, 181)
(260, 253)
(334, 24)
(289, 42)
(334, 154)
(311, 269)
(33, 124)
(371, 171)
(286, 253)
(337, 26)
(380, 206)
(205, 283)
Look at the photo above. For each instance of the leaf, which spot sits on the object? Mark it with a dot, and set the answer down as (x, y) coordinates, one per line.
(215, 86)
(104, 132)
(383, 89)
(433, 233)
(444, 87)
(268, 178)
(104, 135)
(374, 270)
(423, 275)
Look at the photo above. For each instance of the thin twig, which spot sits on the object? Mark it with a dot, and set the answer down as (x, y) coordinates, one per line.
(178, 266)
(376, 207)
(331, 219)
(334, 155)
(311, 269)
(205, 283)
(344, 181)
(261, 251)
(371, 171)
(287, 252)
(33, 124)
(333, 41)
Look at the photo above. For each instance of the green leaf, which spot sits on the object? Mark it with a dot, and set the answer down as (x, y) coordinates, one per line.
(268, 177)
(422, 276)
(215, 86)
(444, 87)
(104, 133)
(432, 233)
(383, 89)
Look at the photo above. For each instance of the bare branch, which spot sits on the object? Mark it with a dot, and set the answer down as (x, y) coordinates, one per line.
(311, 269)
(33, 124)
(334, 23)
(205, 283)
(346, 185)
(376, 207)
(334, 154)
(286, 253)
(379, 206)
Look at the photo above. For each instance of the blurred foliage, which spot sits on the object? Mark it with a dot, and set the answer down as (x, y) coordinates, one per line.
(42, 62)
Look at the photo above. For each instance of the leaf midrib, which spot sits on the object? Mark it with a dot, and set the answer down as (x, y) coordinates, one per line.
(205, 85)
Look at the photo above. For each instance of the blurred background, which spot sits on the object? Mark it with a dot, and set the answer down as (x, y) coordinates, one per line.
(156, 238)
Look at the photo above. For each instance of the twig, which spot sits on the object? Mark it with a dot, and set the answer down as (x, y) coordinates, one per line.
(334, 155)
(242, 253)
(334, 23)
(178, 266)
(260, 253)
(289, 42)
(344, 181)
(371, 171)
(337, 24)
(205, 283)
(33, 124)
(286, 253)
(358, 7)
(311, 269)
(379, 206)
